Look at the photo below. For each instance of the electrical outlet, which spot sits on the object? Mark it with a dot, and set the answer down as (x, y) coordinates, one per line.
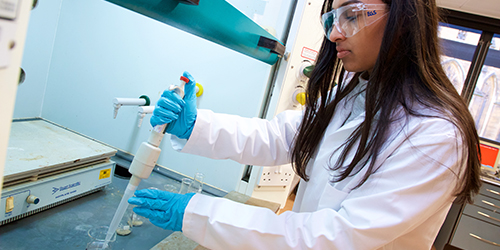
(276, 176)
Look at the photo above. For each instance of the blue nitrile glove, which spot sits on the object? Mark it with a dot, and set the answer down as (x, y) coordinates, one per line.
(180, 114)
(164, 209)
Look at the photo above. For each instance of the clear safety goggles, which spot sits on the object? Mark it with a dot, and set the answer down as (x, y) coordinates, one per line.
(352, 18)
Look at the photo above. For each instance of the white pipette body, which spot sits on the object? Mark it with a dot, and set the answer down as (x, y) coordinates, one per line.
(142, 165)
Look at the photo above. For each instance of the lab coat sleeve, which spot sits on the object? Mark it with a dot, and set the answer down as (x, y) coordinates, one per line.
(251, 141)
(414, 183)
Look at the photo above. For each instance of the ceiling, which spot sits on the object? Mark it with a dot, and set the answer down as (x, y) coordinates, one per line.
(489, 8)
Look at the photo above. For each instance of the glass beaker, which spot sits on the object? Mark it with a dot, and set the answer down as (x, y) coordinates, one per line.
(98, 238)
(125, 226)
(197, 185)
(170, 188)
(185, 185)
(134, 219)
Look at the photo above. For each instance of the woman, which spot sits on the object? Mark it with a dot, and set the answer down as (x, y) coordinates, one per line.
(381, 156)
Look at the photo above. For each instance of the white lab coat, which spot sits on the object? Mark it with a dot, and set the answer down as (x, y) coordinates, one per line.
(401, 206)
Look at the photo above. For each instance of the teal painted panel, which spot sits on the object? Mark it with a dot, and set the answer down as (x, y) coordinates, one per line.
(214, 20)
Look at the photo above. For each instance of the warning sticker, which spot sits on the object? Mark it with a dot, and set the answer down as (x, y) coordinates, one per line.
(105, 173)
(309, 53)
(8, 9)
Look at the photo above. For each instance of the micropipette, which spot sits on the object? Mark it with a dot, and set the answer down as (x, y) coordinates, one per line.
(142, 165)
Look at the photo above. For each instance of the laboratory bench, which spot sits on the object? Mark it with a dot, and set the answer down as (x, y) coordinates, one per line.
(58, 184)
(65, 226)
(474, 226)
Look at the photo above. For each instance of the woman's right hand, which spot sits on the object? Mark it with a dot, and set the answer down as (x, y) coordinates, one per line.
(179, 113)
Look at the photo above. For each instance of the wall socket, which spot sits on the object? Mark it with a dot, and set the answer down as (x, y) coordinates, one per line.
(276, 176)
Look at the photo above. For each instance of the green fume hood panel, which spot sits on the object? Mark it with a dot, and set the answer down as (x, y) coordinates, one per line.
(214, 20)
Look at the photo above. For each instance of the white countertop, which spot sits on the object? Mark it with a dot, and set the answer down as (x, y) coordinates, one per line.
(38, 146)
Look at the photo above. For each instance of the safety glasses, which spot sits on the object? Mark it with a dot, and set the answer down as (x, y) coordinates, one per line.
(350, 19)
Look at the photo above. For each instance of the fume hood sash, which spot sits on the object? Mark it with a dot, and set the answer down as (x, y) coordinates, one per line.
(214, 20)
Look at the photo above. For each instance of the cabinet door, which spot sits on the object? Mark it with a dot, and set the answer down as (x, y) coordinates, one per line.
(483, 214)
(473, 234)
(487, 202)
(490, 191)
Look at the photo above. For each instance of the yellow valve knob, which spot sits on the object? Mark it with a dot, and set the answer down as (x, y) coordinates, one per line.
(301, 98)
(199, 90)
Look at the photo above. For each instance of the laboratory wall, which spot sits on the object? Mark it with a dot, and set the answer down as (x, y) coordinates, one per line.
(81, 54)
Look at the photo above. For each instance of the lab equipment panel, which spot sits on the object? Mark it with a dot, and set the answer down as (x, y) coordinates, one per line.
(274, 183)
(25, 199)
(47, 165)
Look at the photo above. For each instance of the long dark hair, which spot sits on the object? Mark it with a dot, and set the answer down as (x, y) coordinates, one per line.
(407, 71)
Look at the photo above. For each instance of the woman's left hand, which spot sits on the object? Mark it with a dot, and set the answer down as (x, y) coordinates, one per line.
(164, 209)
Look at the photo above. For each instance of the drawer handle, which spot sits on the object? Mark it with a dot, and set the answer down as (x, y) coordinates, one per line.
(483, 240)
(488, 216)
(493, 191)
(489, 203)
